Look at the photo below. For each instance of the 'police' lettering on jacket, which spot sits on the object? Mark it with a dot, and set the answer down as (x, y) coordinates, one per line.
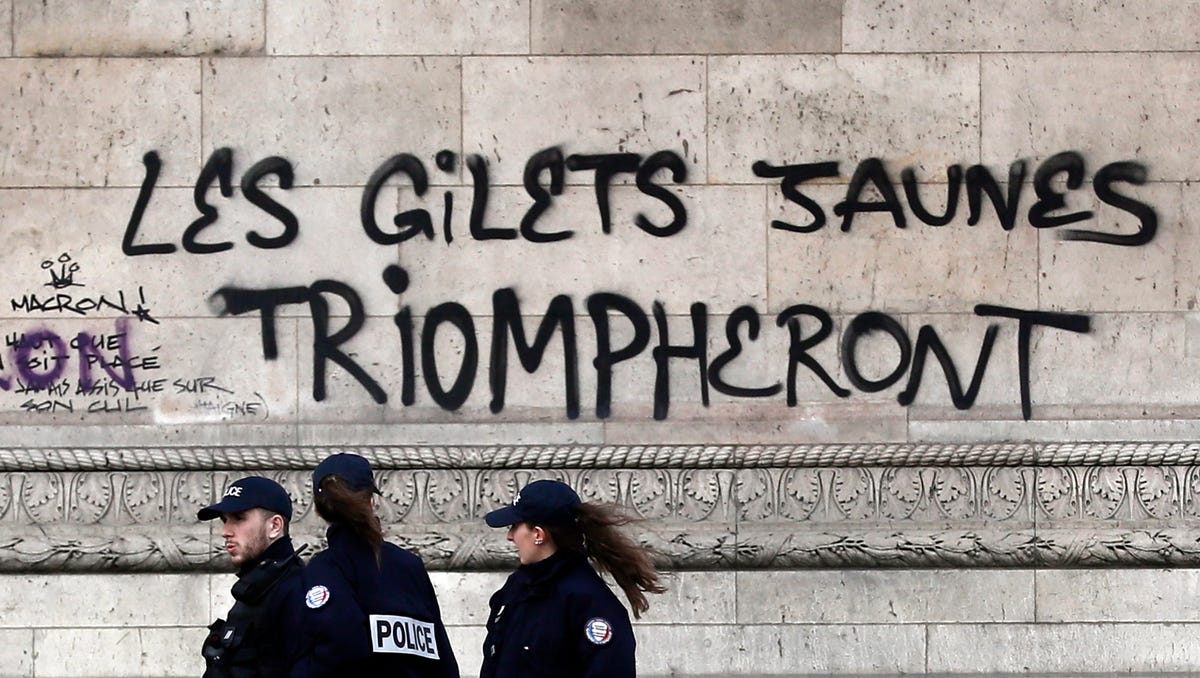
(403, 635)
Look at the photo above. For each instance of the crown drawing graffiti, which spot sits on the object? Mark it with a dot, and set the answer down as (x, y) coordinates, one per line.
(64, 274)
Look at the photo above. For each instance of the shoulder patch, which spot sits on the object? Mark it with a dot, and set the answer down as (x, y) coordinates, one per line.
(598, 631)
(316, 597)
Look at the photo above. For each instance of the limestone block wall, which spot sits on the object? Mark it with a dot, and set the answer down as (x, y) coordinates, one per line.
(881, 314)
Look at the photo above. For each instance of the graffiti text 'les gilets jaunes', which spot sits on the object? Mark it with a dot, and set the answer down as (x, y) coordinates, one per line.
(1045, 212)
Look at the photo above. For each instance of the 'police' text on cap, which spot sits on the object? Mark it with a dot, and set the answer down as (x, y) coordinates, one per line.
(248, 493)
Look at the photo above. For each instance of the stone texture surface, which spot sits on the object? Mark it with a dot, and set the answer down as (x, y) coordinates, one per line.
(1051, 26)
(1073, 596)
(352, 27)
(107, 114)
(921, 111)
(470, 433)
(142, 435)
(1036, 105)
(131, 651)
(1061, 648)
(671, 27)
(782, 650)
(515, 107)
(43, 601)
(1188, 280)
(145, 27)
(832, 623)
(1061, 362)
(761, 423)
(336, 119)
(881, 597)
(6, 25)
(1050, 425)
(16, 652)
(1078, 276)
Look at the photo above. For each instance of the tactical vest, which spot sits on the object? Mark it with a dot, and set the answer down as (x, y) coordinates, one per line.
(234, 646)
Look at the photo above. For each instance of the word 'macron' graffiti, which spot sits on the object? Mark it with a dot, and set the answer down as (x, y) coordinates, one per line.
(870, 189)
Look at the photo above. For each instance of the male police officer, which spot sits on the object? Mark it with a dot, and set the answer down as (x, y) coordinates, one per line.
(260, 636)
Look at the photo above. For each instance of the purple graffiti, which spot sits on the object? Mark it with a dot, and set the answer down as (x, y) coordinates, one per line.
(41, 358)
(29, 366)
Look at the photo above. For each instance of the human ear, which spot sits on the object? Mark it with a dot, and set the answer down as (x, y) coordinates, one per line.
(275, 526)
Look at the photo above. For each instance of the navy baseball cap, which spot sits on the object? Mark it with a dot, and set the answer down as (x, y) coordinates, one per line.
(351, 468)
(542, 502)
(248, 493)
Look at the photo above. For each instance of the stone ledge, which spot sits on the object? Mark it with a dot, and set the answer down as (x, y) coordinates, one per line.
(707, 507)
(605, 456)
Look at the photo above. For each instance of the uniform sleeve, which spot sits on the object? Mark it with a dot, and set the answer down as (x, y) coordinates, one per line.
(603, 637)
(335, 625)
(448, 664)
(287, 605)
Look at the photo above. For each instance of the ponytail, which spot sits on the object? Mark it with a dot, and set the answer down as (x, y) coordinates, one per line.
(339, 505)
(611, 550)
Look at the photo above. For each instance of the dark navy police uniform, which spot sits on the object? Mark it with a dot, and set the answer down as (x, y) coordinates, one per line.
(557, 617)
(363, 619)
(259, 637)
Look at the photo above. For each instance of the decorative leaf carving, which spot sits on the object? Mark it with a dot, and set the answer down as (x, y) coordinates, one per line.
(1156, 491)
(902, 492)
(43, 498)
(801, 493)
(853, 490)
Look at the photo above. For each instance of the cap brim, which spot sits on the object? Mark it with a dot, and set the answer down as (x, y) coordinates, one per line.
(503, 517)
(228, 505)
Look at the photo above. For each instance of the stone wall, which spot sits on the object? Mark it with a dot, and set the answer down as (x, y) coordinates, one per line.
(719, 623)
(880, 313)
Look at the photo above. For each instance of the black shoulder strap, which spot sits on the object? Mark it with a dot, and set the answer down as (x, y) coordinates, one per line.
(257, 583)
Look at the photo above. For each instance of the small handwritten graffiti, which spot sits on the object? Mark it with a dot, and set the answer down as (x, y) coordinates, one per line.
(62, 272)
(40, 359)
(62, 276)
(235, 408)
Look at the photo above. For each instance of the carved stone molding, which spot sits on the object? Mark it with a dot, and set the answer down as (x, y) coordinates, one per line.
(606, 456)
(128, 510)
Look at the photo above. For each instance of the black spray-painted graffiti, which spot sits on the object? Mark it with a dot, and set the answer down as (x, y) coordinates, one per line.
(62, 272)
(601, 307)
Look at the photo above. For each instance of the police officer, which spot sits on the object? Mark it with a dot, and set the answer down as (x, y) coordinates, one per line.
(555, 616)
(370, 609)
(259, 637)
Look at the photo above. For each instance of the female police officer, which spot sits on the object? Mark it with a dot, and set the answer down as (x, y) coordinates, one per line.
(555, 616)
(370, 609)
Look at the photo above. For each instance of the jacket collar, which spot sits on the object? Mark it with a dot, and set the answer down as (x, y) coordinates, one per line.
(550, 568)
(278, 550)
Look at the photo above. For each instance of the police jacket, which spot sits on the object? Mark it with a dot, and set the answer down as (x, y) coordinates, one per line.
(259, 638)
(557, 617)
(367, 618)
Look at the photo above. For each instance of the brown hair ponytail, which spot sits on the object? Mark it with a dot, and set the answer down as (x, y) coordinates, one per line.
(352, 509)
(612, 551)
